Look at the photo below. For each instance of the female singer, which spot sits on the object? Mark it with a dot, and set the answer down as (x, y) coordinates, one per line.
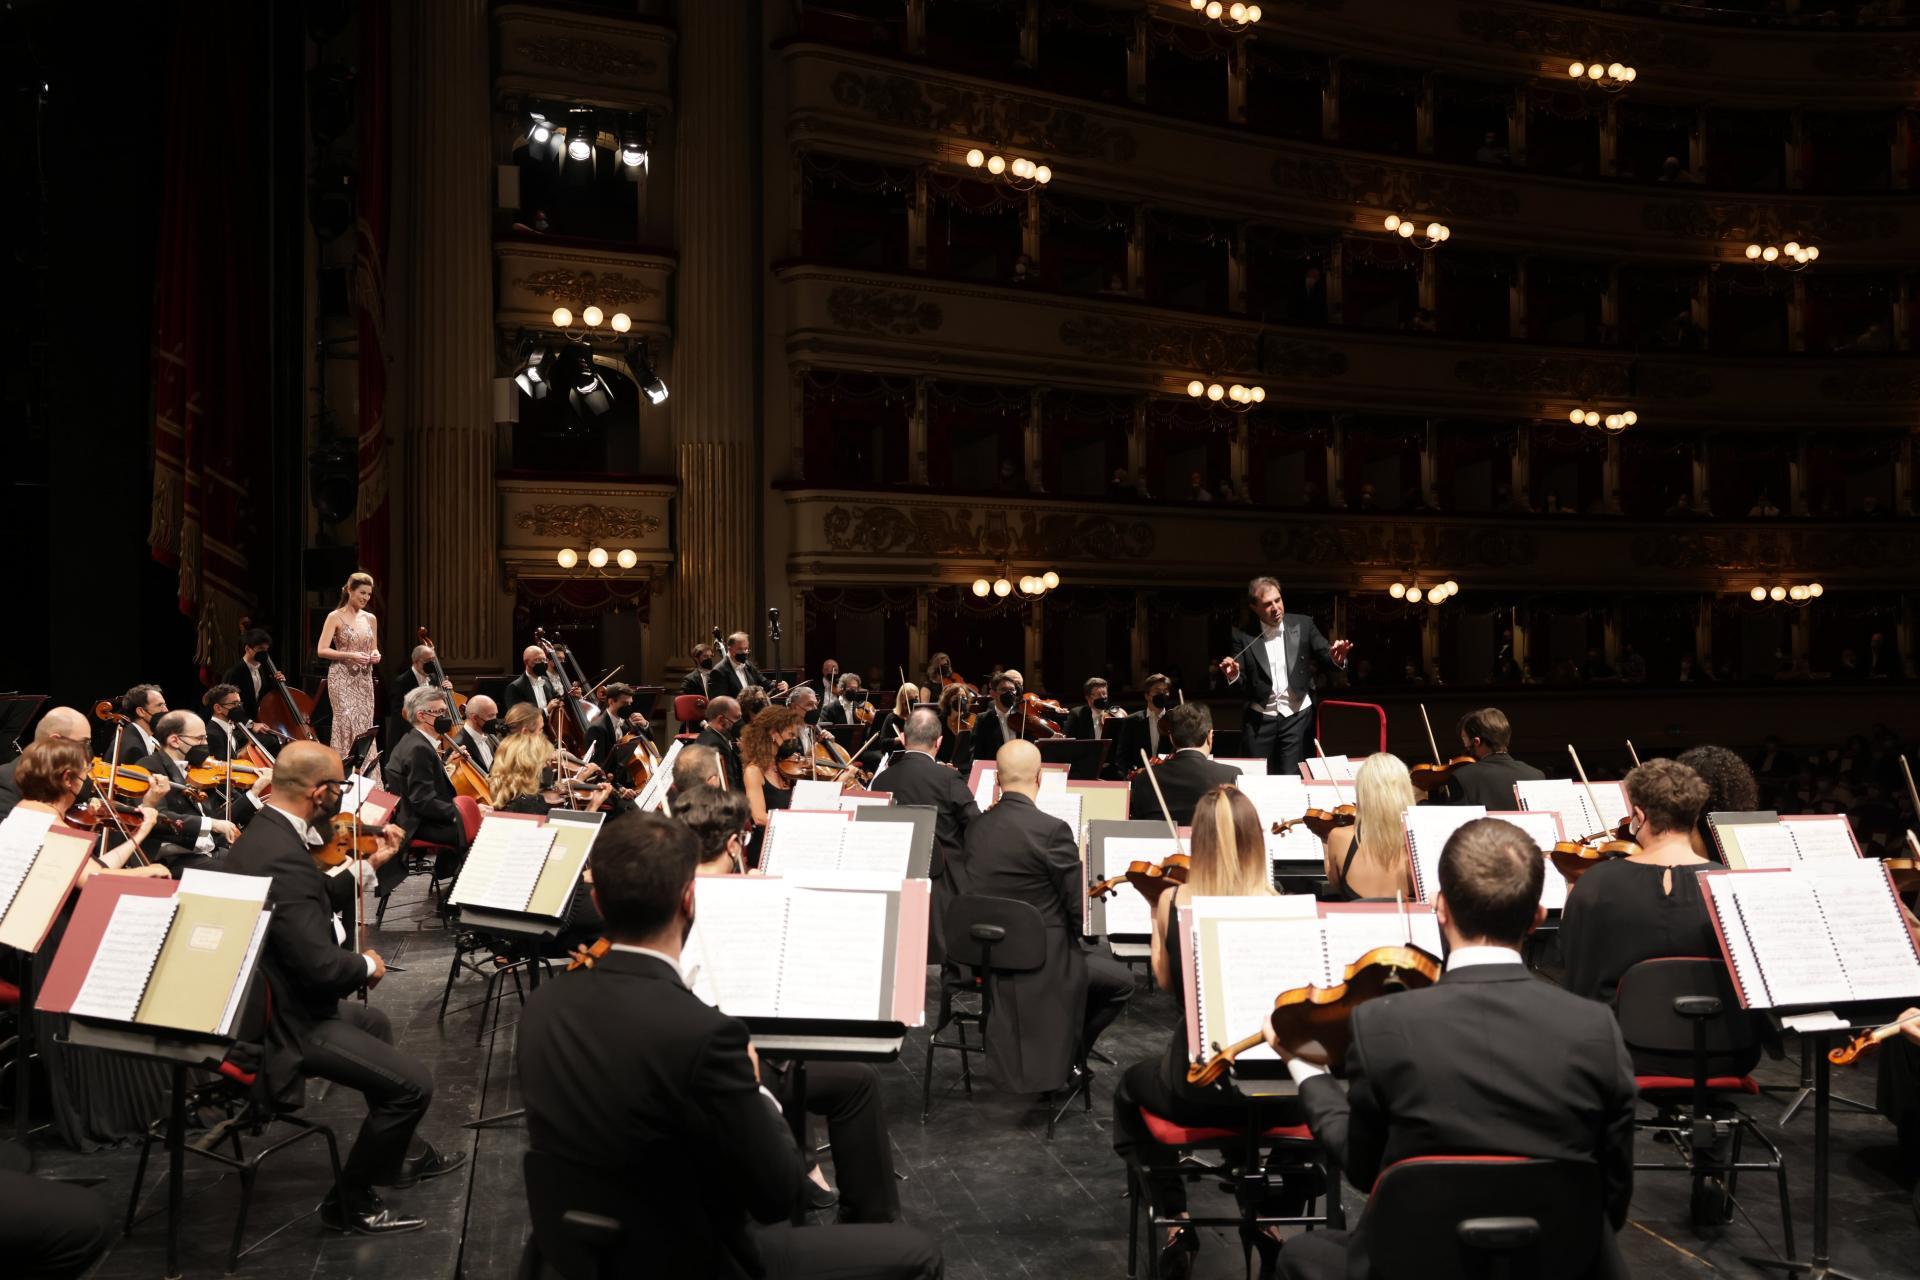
(348, 642)
(99, 1098)
(768, 738)
(1229, 860)
(884, 737)
(1369, 858)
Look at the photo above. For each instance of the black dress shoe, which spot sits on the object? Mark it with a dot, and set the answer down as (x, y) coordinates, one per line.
(428, 1164)
(819, 1197)
(365, 1214)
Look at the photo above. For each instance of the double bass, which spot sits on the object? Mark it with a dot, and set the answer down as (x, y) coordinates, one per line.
(456, 698)
(570, 716)
(284, 709)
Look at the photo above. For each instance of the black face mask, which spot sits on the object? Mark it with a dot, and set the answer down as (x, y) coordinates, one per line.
(856, 696)
(539, 668)
(1008, 698)
(198, 755)
(1101, 704)
(788, 750)
(1163, 700)
(443, 723)
(813, 716)
(706, 664)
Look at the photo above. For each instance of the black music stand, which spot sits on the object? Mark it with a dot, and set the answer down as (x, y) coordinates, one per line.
(1085, 758)
(16, 713)
(798, 1041)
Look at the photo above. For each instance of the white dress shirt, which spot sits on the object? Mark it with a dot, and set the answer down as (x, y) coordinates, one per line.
(481, 745)
(1281, 702)
(539, 684)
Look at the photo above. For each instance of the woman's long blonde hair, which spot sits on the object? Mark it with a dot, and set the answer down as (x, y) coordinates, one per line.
(906, 700)
(516, 767)
(1383, 791)
(354, 583)
(1229, 853)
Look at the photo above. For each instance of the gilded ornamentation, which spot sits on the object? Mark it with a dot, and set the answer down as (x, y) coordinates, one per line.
(1003, 119)
(942, 531)
(1776, 551)
(888, 311)
(1157, 343)
(587, 522)
(608, 288)
(1544, 375)
(586, 57)
(1341, 180)
(1536, 33)
(1868, 386)
(1739, 221)
(1380, 544)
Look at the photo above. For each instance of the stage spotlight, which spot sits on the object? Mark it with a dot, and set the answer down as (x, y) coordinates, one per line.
(540, 131)
(644, 373)
(580, 133)
(633, 145)
(532, 378)
(590, 394)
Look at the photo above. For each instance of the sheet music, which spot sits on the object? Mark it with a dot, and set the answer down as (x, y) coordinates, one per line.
(124, 961)
(1790, 940)
(1871, 939)
(739, 923)
(804, 840)
(834, 963)
(241, 983)
(1066, 807)
(814, 794)
(1543, 827)
(21, 835)
(504, 864)
(1764, 846)
(884, 848)
(1569, 799)
(1248, 767)
(1351, 934)
(1128, 911)
(1053, 781)
(1256, 961)
(1818, 839)
(1331, 769)
(1428, 828)
(1277, 798)
(851, 804)
(983, 790)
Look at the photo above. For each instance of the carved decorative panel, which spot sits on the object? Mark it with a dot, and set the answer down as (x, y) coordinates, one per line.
(586, 521)
(595, 59)
(1545, 375)
(1784, 552)
(1151, 342)
(888, 311)
(1377, 543)
(577, 288)
(1826, 222)
(946, 531)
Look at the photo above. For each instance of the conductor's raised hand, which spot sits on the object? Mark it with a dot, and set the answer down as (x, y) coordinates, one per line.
(1338, 651)
(1229, 669)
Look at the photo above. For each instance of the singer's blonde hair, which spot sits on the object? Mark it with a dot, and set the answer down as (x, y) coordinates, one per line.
(1229, 852)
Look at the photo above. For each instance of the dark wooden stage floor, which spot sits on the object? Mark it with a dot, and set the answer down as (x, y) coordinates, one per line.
(1003, 1201)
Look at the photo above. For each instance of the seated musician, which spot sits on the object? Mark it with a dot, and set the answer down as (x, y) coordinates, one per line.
(417, 674)
(227, 731)
(957, 723)
(617, 719)
(1186, 775)
(1489, 780)
(1369, 858)
(720, 735)
(249, 675)
(1546, 1070)
(772, 736)
(476, 736)
(53, 773)
(917, 777)
(142, 705)
(753, 700)
(314, 1030)
(522, 780)
(1095, 717)
(1229, 860)
(700, 679)
(536, 685)
(846, 1093)
(807, 703)
(883, 738)
(1146, 728)
(415, 774)
(1048, 1019)
(183, 746)
(1647, 905)
(697, 768)
(57, 724)
(827, 685)
(625, 1074)
(991, 729)
(1897, 1092)
(525, 718)
(1730, 788)
(847, 696)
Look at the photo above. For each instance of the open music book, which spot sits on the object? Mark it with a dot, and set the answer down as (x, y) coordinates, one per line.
(1429, 827)
(802, 842)
(160, 953)
(1331, 769)
(843, 947)
(1578, 817)
(1280, 797)
(39, 861)
(1111, 846)
(814, 795)
(983, 781)
(525, 863)
(1826, 932)
(1241, 953)
(1760, 840)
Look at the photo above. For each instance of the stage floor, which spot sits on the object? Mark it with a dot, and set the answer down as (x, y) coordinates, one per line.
(981, 1175)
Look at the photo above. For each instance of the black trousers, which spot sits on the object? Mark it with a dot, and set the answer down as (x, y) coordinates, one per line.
(1898, 1095)
(867, 1252)
(1109, 987)
(1145, 1085)
(446, 863)
(1281, 740)
(50, 1230)
(356, 1050)
(847, 1094)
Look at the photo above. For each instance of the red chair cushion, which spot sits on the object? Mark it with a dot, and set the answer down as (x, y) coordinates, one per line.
(236, 1075)
(1168, 1134)
(469, 815)
(688, 707)
(9, 995)
(1717, 1084)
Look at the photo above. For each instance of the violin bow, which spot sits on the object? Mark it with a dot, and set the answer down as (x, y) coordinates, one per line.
(1433, 745)
(1633, 753)
(1165, 812)
(1592, 799)
(1333, 777)
(120, 822)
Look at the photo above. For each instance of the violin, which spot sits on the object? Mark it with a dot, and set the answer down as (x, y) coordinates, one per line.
(1322, 822)
(1150, 878)
(1574, 858)
(216, 773)
(1866, 1040)
(341, 846)
(1141, 772)
(132, 781)
(459, 700)
(96, 813)
(1315, 1024)
(1029, 714)
(583, 957)
(863, 711)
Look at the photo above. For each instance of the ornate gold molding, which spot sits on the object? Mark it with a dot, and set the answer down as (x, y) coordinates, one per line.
(862, 309)
(607, 288)
(1371, 183)
(946, 531)
(1531, 32)
(587, 521)
(1375, 543)
(586, 57)
(1197, 347)
(1872, 547)
(1827, 222)
(1545, 375)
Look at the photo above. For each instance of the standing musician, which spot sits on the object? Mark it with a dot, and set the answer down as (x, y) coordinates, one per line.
(1186, 775)
(1489, 780)
(1556, 1085)
(477, 736)
(847, 696)
(142, 705)
(1368, 859)
(917, 777)
(700, 679)
(183, 746)
(348, 643)
(1277, 677)
(313, 1029)
(419, 672)
(1146, 728)
(58, 724)
(736, 672)
(248, 676)
(720, 735)
(535, 684)
(414, 773)
(827, 684)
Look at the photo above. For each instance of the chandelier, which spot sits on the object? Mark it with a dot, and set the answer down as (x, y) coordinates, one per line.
(567, 558)
(1434, 593)
(1234, 17)
(1032, 586)
(1239, 398)
(1798, 257)
(1608, 77)
(1407, 229)
(1797, 593)
(1019, 172)
(1613, 423)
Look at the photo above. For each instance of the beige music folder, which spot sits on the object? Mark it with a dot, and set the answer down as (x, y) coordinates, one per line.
(205, 951)
(44, 890)
(553, 891)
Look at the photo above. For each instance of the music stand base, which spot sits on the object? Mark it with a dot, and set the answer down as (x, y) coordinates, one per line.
(1815, 1268)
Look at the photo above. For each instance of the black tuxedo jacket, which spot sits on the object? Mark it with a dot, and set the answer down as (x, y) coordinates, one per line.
(722, 682)
(602, 733)
(1488, 1061)
(914, 777)
(224, 745)
(132, 748)
(520, 689)
(729, 756)
(1134, 737)
(414, 773)
(308, 970)
(988, 736)
(831, 712)
(1490, 781)
(1307, 650)
(177, 801)
(1080, 724)
(240, 677)
(1184, 778)
(471, 746)
(698, 682)
(626, 1072)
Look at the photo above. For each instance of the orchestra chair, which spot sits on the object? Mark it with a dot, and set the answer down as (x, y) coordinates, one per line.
(986, 939)
(427, 853)
(233, 1092)
(1486, 1217)
(1241, 1167)
(690, 710)
(578, 1224)
(1687, 1005)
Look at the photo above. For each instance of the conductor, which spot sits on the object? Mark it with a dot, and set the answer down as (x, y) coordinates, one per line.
(1277, 677)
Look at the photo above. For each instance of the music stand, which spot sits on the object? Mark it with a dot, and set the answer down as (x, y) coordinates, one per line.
(16, 713)
(1085, 758)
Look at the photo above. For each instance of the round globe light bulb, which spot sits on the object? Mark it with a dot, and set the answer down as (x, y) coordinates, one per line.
(1042, 174)
(1578, 70)
(1215, 391)
(1406, 231)
(975, 158)
(1196, 388)
(981, 586)
(622, 322)
(1815, 590)
(1051, 579)
(996, 165)
(1796, 592)
(1592, 417)
(1215, 8)
(1613, 422)
(1446, 232)
(627, 558)
(1397, 590)
(1453, 588)
(1791, 248)
(1435, 231)
(1436, 597)
(1577, 417)
(1259, 394)
(1595, 71)
(1812, 252)
(1237, 393)
(592, 317)
(562, 317)
(597, 557)
(1616, 70)
(1238, 13)
(1778, 593)
(1020, 166)
(1392, 222)
(1198, 4)
(1753, 251)
(1253, 13)
(1629, 417)
(1001, 587)
(1758, 593)
(1414, 594)
(568, 557)
(1770, 254)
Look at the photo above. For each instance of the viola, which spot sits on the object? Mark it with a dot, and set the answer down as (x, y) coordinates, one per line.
(131, 780)
(863, 713)
(1322, 822)
(583, 957)
(1141, 772)
(341, 845)
(1866, 1040)
(1029, 717)
(1150, 878)
(1315, 1024)
(1428, 776)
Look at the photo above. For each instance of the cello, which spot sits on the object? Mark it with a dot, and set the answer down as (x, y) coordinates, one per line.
(284, 709)
(568, 718)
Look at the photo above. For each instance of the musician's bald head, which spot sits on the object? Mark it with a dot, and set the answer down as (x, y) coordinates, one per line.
(301, 766)
(62, 722)
(531, 654)
(1018, 764)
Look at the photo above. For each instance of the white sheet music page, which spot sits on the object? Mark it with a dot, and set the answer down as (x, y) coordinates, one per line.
(1333, 768)
(836, 957)
(1248, 767)
(814, 794)
(241, 982)
(1764, 846)
(1128, 911)
(129, 948)
(804, 841)
(1543, 826)
(1064, 806)
(1277, 798)
(1256, 961)
(1789, 937)
(1863, 915)
(1569, 799)
(21, 835)
(883, 848)
(1820, 839)
(739, 925)
(1428, 828)
(503, 865)
(1053, 780)
(1351, 934)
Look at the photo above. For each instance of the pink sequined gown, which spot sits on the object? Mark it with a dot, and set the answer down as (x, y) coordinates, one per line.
(350, 688)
